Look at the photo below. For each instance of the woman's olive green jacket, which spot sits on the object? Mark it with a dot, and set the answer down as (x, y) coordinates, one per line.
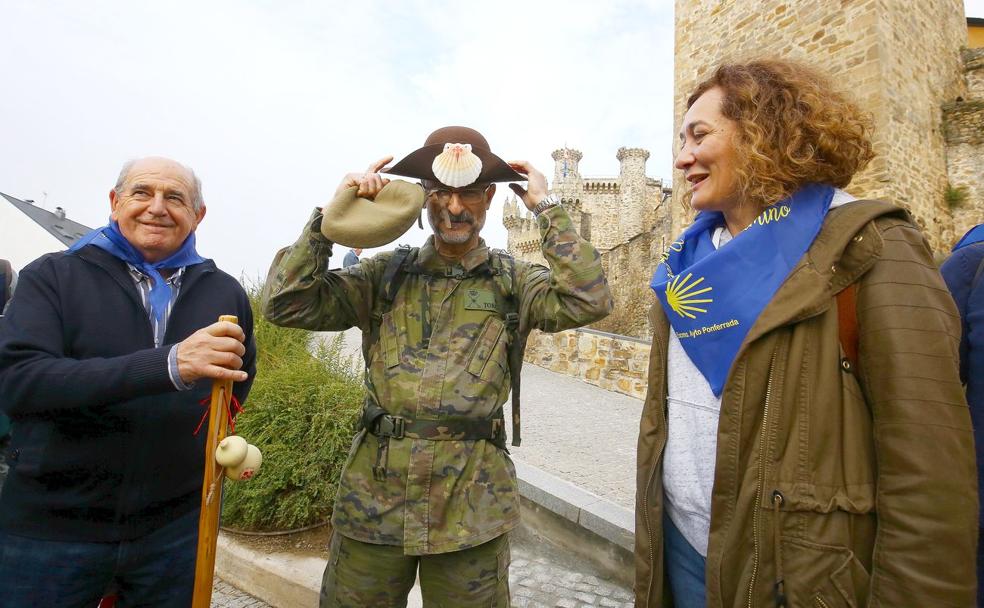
(835, 485)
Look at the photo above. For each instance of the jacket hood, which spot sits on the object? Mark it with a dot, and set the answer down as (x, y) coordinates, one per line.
(847, 245)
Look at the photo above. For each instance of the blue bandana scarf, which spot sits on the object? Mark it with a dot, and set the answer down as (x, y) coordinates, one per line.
(974, 235)
(713, 296)
(110, 239)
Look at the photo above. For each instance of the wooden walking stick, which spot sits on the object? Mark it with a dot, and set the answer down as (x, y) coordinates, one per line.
(208, 520)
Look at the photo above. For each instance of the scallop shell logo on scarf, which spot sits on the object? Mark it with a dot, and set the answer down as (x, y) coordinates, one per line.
(682, 296)
(457, 165)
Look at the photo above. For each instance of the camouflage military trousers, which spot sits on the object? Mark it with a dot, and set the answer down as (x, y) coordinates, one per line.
(362, 575)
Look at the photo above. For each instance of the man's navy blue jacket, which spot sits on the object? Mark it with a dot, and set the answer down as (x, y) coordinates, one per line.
(102, 445)
(965, 279)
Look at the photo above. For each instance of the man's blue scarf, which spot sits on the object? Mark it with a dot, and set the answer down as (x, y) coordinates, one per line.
(974, 235)
(110, 239)
(713, 296)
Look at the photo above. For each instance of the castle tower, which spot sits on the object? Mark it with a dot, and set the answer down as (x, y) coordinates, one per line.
(523, 233)
(900, 60)
(565, 165)
(632, 191)
(567, 183)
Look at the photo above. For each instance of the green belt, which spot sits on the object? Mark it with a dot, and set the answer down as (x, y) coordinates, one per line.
(448, 429)
(386, 426)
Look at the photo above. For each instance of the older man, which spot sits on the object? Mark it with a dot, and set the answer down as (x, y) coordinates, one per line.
(429, 483)
(105, 355)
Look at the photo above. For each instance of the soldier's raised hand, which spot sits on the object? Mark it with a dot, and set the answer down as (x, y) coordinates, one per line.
(536, 187)
(370, 182)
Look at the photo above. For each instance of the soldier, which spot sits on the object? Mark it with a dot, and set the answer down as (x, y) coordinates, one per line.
(429, 481)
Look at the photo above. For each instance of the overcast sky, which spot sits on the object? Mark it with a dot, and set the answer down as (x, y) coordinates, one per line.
(271, 102)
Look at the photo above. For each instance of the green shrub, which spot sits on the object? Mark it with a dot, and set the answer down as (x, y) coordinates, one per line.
(301, 413)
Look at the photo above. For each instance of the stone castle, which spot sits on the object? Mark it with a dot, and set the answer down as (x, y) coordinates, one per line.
(626, 217)
(904, 61)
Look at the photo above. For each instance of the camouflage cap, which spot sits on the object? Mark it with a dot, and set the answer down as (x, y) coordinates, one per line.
(353, 221)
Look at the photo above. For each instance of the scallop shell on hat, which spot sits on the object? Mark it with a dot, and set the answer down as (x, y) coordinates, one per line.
(457, 165)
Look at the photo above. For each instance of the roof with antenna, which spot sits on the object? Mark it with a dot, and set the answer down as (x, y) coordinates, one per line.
(54, 222)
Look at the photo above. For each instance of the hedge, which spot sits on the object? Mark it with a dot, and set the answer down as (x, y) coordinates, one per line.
(301, 413)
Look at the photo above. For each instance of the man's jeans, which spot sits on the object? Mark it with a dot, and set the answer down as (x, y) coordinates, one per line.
(157, 569)
(684, 568)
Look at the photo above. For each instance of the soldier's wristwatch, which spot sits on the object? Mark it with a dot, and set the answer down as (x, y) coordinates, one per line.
(548, 201)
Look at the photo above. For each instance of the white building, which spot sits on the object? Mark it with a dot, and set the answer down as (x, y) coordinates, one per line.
(28, 231)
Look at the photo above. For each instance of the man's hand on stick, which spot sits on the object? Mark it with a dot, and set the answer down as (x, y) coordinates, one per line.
(213, 352)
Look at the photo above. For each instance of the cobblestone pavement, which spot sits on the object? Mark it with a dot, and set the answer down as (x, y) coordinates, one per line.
(542, 576)
(574, 430)
(225, 595)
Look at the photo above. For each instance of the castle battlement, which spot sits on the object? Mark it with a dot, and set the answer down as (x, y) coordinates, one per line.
(609, 210)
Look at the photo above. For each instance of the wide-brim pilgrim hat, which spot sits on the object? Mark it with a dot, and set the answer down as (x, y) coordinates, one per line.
(453, 156)
(449, 157)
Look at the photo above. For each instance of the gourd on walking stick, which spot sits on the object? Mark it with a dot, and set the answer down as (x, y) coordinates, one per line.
(225, 456)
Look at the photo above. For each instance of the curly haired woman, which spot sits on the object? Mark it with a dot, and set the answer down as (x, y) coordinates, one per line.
(805, 440)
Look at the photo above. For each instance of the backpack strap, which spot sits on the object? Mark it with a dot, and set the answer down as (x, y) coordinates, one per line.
(847, 325)
(393, 277)
(508, 303)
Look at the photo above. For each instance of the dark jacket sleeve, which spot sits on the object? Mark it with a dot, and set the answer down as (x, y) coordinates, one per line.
(925, 545)
(241, 389)
(963, 275)
(37, 376)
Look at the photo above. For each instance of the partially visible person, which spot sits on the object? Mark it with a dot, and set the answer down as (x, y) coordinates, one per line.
(106, 356)
(963, 272)
(805, 440)
(352, 257)
(8, 281)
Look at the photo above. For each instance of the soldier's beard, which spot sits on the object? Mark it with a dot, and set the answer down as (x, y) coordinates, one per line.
(444, 220)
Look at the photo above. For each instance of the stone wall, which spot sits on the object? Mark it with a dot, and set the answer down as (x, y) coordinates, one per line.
(613, 362)
(629, 269)
(963, 122)
(899, 58)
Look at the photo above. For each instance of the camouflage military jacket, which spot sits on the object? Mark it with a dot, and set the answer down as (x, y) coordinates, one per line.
(437, 496)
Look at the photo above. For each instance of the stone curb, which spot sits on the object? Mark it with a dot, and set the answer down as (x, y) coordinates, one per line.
(287, 580)
(283, 580)
(610, 521)
(279, 579)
